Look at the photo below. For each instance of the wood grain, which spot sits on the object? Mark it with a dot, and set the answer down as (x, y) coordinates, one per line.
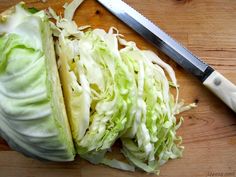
(208, 29)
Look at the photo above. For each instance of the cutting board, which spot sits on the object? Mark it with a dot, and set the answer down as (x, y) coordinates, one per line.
(208, 29)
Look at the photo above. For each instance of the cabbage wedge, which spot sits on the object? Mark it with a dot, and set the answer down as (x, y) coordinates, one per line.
(98, 91)
(32, 112)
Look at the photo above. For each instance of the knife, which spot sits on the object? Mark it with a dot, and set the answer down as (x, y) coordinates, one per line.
(211, 78)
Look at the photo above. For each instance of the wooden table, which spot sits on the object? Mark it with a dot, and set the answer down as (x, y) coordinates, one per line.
(208, 29)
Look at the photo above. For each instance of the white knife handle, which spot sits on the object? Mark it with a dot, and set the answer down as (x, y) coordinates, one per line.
(223, 88)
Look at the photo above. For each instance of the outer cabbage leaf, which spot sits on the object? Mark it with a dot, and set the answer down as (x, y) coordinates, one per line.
(32, 112)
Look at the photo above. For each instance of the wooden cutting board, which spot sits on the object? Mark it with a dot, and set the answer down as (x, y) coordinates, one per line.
(208, 29)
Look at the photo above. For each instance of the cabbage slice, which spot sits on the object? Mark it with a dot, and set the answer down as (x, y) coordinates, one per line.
(98, 91)
(32, 112)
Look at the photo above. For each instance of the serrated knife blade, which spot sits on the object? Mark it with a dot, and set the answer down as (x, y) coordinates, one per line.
(212, 79)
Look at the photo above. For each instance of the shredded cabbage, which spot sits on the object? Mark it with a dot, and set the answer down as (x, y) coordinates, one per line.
(114, 93)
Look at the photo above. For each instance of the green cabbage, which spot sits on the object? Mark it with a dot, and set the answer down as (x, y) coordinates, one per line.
(32, 112)
(115, 90)
(112, 90)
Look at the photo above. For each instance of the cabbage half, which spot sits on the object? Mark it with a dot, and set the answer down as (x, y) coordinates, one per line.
(32, 112)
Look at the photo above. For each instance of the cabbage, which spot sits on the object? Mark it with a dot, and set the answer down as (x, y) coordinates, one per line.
(117, 93)
(112, 90)
(32, 111)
